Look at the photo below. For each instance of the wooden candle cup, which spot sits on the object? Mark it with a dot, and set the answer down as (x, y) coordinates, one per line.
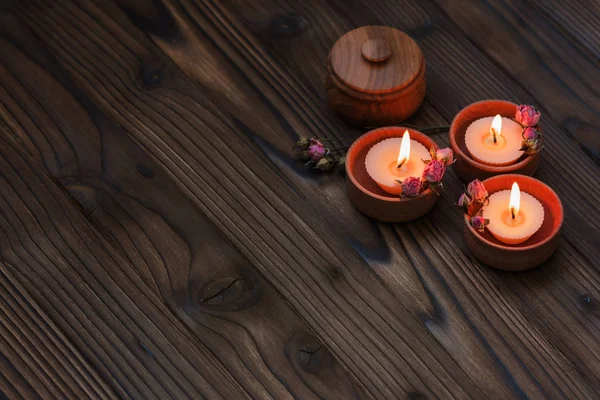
(533, 251)
(368, 197)
(375, 76)
(468, 168)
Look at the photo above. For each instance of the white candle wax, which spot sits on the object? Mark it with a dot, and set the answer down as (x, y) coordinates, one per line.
(503, 227)
(480, 142)
(381, 164)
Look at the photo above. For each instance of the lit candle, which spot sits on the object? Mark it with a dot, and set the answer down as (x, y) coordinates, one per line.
(514, 216)
(495, 140)
(386, 165)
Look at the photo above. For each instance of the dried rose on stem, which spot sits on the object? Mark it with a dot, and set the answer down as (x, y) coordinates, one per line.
(476, 191)
(445, 155)
(473, 200)
(436, 168)
(527, 115)
(529, 119)
(314, 152)
(479, 223)
(411, 186)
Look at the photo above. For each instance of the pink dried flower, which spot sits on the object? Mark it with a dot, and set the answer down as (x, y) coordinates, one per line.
(476, 191)
(530, 133)
(316, 150)
(527, 115)
(411, 186)
(479, 222)
(434, 171)
(464, 201)
(445, 155)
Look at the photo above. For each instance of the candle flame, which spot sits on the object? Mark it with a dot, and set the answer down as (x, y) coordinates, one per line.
(515, 200)
(404, 149)
(496, 125)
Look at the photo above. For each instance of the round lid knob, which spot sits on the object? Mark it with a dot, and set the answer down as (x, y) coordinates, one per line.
(376, 50)
(376, 59)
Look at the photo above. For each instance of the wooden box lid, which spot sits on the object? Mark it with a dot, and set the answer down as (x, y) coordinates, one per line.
(376, 59)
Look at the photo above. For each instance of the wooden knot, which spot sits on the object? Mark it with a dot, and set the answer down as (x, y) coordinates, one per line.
(144, 171)
(376, 50)
(86, 196)
(334, 273)
(230, 293)
(588, 302)
(307, 352)
(288, 25)
(153, 16)
(152, 73)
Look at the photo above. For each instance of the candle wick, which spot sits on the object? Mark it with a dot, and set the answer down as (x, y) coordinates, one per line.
(512, 211)
(401, 163)
(494, 135)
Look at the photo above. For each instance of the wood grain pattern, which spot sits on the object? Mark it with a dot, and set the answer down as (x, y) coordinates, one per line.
(122, 205)
(152, 213)
(223, 188)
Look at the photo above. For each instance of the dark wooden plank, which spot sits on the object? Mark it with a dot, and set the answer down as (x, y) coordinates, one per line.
(51, 363)
(577, 21)
(166, 240)
(278, 233)
(270, 117)
(13, 384)
(515, 329)
(274, 14)
(538, 54)
(304, 39)
(67, 270)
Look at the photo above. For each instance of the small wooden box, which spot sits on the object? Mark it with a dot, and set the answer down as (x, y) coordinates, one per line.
(376, 76)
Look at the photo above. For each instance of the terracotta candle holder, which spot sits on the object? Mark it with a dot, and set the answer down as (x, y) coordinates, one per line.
(466, 167)
(533, 251)
(368, 197)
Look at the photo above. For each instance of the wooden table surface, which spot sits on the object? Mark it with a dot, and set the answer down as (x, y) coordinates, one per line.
(158, 239)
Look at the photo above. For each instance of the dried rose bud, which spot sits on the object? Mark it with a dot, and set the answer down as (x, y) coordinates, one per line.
(530, 133)
(527, 115)
(411, 186)
(531, 146)
(445, 155)
(324, 164)
(464, 201)
(303, 143)
(479, 222)
(536, 145)
(341, 161)
(316, 150)
(434, 171)
(476, 191)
